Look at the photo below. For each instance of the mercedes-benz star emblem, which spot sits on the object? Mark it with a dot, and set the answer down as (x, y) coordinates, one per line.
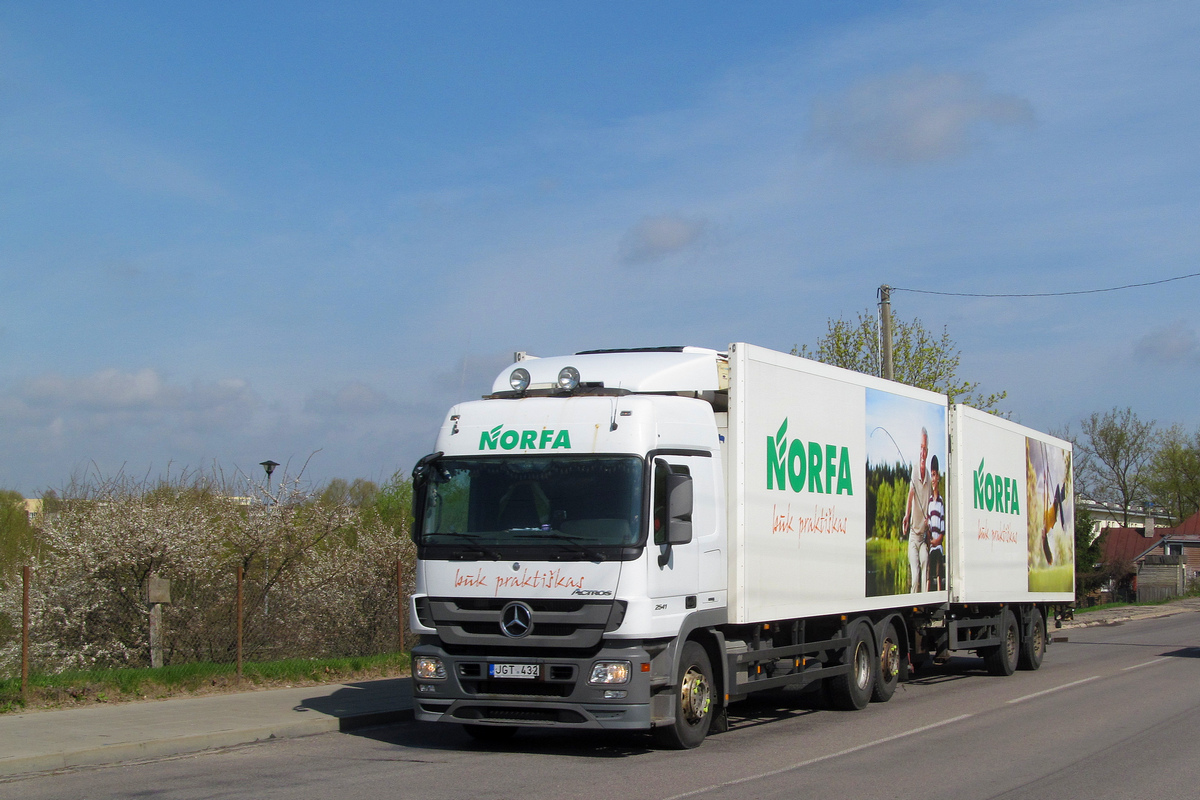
(516, 620)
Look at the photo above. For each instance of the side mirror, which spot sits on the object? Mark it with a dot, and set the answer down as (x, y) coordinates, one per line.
(679, 508)
(420, 476)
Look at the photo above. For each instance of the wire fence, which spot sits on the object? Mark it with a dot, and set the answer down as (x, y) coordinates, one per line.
(248, 614)
(122, 575)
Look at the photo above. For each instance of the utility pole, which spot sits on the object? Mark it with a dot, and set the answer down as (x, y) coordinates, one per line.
(885, 331)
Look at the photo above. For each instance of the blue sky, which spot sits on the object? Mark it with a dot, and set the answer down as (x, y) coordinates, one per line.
(229, 234)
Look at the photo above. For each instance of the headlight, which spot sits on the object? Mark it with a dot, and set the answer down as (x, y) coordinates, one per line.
(568, 378)
(429, 668)
(610, 672)
(518, 379)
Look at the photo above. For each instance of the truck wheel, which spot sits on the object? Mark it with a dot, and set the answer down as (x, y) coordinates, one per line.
(490, 733)
(1002, 660)
(888, 675)
(694, 706)
(852, 690)
(1035, 647)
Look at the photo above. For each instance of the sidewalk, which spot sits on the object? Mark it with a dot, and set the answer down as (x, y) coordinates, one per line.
(105, 734)
(1114, 616)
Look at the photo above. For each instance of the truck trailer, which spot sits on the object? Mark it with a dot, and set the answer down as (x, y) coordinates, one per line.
(635, 539)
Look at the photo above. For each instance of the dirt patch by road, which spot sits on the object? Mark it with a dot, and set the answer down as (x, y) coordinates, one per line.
(46, 698)
(1109, 616)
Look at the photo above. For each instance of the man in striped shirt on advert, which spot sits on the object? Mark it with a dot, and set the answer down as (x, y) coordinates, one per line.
(937, 529)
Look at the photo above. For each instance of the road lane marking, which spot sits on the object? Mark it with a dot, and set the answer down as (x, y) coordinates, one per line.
(1145, 664)
(1050, 691)
(819, 759)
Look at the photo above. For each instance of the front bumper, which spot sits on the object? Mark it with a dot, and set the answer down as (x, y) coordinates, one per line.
(561, 697)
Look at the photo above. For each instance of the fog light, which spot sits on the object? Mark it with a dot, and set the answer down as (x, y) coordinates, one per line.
(568, 378)
(426, 688)
(518, 379)
(610, 672)
(429, 668)
(614, 694)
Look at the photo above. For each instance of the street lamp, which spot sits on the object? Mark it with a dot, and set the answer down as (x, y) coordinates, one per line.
(269, 466)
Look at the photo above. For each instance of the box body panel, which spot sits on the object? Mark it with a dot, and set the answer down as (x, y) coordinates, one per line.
(1012, 533)
(819, 466)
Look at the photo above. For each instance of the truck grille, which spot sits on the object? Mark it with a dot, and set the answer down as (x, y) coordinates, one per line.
(475, 621)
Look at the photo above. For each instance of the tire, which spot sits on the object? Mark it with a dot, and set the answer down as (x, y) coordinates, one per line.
(852, 690)
(1035, 647)
(695, 705)
(1002, 660)
(490, 733)
(887, 675)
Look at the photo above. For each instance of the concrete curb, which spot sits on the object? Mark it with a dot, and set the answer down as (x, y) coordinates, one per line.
(194, 743)
(1125, 614)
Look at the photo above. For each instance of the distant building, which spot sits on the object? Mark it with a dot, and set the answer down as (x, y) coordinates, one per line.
(1111, 515)
(33, 507)
(1128, 552)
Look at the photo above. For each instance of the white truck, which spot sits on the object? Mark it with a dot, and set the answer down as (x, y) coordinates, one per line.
(635, 539)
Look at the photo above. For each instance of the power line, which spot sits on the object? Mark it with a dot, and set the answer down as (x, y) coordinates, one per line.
(1048, 294)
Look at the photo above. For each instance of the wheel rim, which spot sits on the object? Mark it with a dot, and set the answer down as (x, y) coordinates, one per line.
(862, 666)
(889, 660)
(1039, 638)
(1010, 642)
(695, 696)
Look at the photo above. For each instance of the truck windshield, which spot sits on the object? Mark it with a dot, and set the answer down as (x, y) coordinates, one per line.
(567, 501)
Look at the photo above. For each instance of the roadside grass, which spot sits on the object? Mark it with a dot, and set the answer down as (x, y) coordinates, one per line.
(1109, 606)
(86, 687)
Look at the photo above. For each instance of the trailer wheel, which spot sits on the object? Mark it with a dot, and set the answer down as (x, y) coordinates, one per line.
(490, 733)
(1035, 647)
(1002, 660)
(694, 705)
(852, 691)
(888, 674)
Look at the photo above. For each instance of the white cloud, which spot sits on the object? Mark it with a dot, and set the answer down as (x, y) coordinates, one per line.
(112, 421)
(658, 237)
(914, 116)
(111, 398)
(1173, 344)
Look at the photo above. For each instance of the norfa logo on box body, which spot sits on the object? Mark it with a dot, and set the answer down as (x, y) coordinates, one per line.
(524, 440)
(995, 492)
(819, 468)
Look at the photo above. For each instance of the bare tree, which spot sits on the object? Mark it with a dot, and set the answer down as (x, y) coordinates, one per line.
(1113, 451)
(319, 575)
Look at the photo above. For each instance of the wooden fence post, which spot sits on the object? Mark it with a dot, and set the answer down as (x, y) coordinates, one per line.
(239, 623)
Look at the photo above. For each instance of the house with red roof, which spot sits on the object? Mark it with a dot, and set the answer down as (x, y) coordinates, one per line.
(1130, 552)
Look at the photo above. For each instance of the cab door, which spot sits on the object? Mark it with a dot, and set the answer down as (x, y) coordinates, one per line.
(675, 568)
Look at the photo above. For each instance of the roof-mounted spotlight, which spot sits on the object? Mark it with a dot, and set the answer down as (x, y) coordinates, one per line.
(518, 379)
(568, 378)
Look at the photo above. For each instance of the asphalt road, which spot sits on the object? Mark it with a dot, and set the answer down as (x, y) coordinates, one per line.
(1113, 713)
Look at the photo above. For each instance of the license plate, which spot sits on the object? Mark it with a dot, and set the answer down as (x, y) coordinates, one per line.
(529, 671)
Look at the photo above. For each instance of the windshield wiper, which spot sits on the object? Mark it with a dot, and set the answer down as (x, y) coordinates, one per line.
(567, 539)
(473, 539)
